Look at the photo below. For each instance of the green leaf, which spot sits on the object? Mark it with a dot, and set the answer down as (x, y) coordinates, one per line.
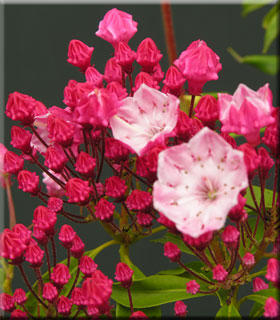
(249, 6)
(2, 278)
(155, 291)
(177, 271)
(261, 296)
(256, 311)
(267, 18)
(268, 196)
(272, 31)
(228, 311)
(170, 237)
(124, 313)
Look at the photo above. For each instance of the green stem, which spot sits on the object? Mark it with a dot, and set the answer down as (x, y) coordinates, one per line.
(235, 55)
(12, 213)
(105, 245)
(9, 275)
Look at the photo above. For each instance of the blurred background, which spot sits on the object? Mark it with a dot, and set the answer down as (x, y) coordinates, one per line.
(35, 47)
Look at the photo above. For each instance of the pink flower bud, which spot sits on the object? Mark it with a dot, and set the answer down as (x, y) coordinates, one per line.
(23, 233)
(116, 26)
(117, 89)
(230, 236)
(55, 159)
(12, 162)
(19, 314)
(77, 297)
(49, 292)
(266, 162)
(172, 252)
(6, 302)
(124, 56)
(158, 74)
(248, 259)
(85, 164)
(11, 245)
(78, 191)
(139, 200)
(55, 204)
(113, 71)
(40, 235)
(219, 273)
(28, 182)
(271, 308)
(144, 77)
(166, 222)
(87, 266)
(259, 284)
(271, 137)
(199, 64)
(60, 275)
(229, 139)
(79, 54)
(60, 131)
(272, 273)
(237, 212)
(187, 127)
(104, 210)
(138, 315)
(94, 76)
(115, 150)
(124, 274)
(199, 243)
(148, 55)
(44, 219)
(174, 78)
(20, 139)
(66, 235)
(207, 110)
(192, 287)
(70, 94)
(144, 219)
(115, 187)
(19, 296)
(64, 305)
(34, 255)
(78, 247)
(180, 309)
(251, 158)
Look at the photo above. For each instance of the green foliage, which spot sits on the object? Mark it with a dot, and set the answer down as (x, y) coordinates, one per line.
(249, 6)
(272, 30)
(124, 313)
(228, 311)
(268, 196)
(261, 296)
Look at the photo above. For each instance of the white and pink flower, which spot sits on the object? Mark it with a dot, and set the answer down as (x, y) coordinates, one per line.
(145, 119)
(199, 182)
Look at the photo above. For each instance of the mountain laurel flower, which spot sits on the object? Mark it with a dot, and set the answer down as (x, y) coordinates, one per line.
(180, 309)
(64, 305)
(20, 139)
(192, 287)
(85, 164)
(20, 296)
(116, 26)
(271, 308)
(87, 265)
(77, 297)
(78, 247)
(148, 55)
(60, 275)
(144, 219)
(230, 236)
(55, 204)
(78, 190)
(60, 131)
(259, 284)
(28, 182)
(116, 150)
(174, 78)
(115, 187)
(34, 255)
(6, 302)
(104, 210)
(55, 158)
(124, 56)
(44, 219)
(207, 110)
(124, 274)
(66, 235)
(146, 118)
(116, 88)
(248, 259)
(199, 64)
(79, 54)
(18, 314)
(219, 273)
(49, 292)
(246, 112)
(199, 182)
(172, 252)
(139, 200)
(272, 273)
(13, 163)
(146, 78)
(113, 71)
(94, 76)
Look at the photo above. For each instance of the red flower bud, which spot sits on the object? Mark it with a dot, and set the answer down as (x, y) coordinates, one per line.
(172, 252)
(20, 139)
(12, 162)
(49, 292)
(28, 182)
(78, 191)
(85, 164)
(124, 274)
(148, 54)
(19, 296)
(104, 210)
(79, 54)
(78, 247)
(87, 266)
(139, 200)
(60, 275)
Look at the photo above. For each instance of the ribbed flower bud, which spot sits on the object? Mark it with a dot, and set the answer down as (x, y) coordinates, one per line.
(85, 164)
(200, 242)
(117, 89)
(55, 204)
(115, 187)
(34, 255)
(266, 162)
(272, 273)
(78, 247)
(49, 292)
(219, 273)
(144, 219)
(207, 110)
(124, 274)
(20, 139)
(230, 236)
(124, 56)
(64, 305)
(259, 284)
(139, 200)
(144, 77)
(28, 182)
(94, 76)
(12, 162)
(271, 308)
(11, 245)
(6, 302)
(104, 210)
(172, 252)
(180, 309)
(60, 131)
(115, 150)
(55, 159)
(148, 55)
(192, 287)
(251, 158)
(20, 296)
(87, 266)
(66, 235)
(174, 78)
(77, 297)
(23, 233)
(44, 219)
(19, 314)
(79, 54)
(248, 259)
(113, 71)
(78, 191)
(60, 275)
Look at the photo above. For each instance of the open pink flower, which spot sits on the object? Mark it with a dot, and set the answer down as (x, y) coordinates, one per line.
(246, 111)
(146, 118)
(199, 182)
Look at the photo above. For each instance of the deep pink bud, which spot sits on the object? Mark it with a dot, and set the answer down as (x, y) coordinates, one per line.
(259, 284)
(66, 235)
(6, 302)
(272, 273)
(85, 164)
(20, 107)
(237, 212)
(11, 245)
(166, 222)
(12, 162)
(115, 187)
(28, 182)
(139, 200)
(113, 71)
(230, 236)
(148, 54)
(117, 89)
(180, 309)
(250, 157)
(100, 189)
(192, 287)
(201, 242)
(60, 131)
(144, 219)
(64, 305)
(219, 273)
(44, 219)
(104, 210)
(49, 292)
(55, 204)
(271, 137)
(266, 162)
(271, 308)
(77, 297)
(174, 78)
(79, 54)
(70, 94)
(138, 315)
(115, 150)
(23, 233)
(248, 259)
(40, 235)
(34, 255)
(20, 139)
(94, 76)
(78, 191)
(158, 74)
(19, 296)
(144, 77)
(60, 275)
(186, 127)
(87, 266)
(55, 159)
(124, 274)
(19, 314)
(229, 139)
(172, 252)
(124, 56)
(207, 109)
(97, 289)
(78, 247)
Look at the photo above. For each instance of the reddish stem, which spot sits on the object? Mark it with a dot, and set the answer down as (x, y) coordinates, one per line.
(12, 213)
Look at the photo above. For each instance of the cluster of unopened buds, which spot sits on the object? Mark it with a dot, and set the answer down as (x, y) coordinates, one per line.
(175, 165)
